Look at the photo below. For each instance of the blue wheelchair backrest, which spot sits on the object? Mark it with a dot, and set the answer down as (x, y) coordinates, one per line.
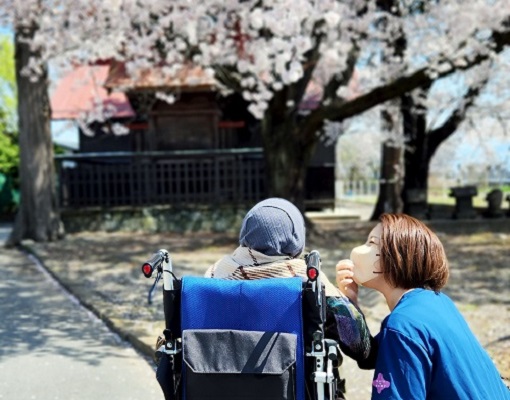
(262, 323)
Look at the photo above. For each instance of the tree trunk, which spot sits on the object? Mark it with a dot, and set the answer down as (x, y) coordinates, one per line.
(421, 145)
(416, 156)
(287, 158)
(38, 217)
(414, 192)
(390, 185)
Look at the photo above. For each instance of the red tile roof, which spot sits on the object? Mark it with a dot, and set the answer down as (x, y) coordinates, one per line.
(77, 92)
(188, 78)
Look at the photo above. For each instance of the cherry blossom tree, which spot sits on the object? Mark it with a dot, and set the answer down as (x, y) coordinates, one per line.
(38, 216)
(43, 30)
(411, 141)
(422, 139)
(269, 52)
(482, 137)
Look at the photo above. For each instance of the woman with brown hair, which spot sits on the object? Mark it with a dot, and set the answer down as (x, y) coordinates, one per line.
(426, 350)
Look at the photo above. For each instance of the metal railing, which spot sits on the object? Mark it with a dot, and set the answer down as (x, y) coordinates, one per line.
(110, 179)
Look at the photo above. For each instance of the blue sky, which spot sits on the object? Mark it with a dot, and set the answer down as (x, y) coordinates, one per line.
(5, 31)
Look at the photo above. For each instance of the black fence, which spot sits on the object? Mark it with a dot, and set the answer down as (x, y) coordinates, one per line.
(233, 176)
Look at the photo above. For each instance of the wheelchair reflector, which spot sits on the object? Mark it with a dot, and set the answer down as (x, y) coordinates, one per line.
(312, 273)
(147, 270)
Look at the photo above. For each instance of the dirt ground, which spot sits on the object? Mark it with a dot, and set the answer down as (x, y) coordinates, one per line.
(103, 270)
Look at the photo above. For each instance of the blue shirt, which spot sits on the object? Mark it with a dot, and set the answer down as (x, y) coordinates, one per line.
(427, 351)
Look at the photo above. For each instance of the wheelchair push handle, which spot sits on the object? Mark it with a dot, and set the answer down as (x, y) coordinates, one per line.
(160, 263)
(313, 270)
(313, 265)
(154, 262)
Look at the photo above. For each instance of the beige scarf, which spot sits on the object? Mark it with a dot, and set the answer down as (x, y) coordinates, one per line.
(247, 264)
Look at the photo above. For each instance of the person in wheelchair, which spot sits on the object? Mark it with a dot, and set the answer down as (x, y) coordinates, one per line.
(271, 244)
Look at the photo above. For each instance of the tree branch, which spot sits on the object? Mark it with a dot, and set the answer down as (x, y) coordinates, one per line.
(341, 109)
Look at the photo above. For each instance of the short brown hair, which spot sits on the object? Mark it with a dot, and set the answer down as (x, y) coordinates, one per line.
(411, 254)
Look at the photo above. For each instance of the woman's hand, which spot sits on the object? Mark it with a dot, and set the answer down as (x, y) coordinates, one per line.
(344, 281)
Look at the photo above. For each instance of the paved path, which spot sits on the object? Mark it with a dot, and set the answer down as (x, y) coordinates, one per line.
(52, 348)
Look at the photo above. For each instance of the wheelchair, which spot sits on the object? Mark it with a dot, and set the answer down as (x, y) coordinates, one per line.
(251, 339)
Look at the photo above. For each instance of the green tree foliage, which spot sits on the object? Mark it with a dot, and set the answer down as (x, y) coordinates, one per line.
(9, 150)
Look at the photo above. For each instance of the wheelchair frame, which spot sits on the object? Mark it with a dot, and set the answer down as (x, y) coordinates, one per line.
(323, 352)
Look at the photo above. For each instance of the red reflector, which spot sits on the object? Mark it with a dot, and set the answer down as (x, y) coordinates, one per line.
(147, 269)
(312, 273)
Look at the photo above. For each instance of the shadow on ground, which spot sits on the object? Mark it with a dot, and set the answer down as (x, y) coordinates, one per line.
(35, 320)
(103, 270)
